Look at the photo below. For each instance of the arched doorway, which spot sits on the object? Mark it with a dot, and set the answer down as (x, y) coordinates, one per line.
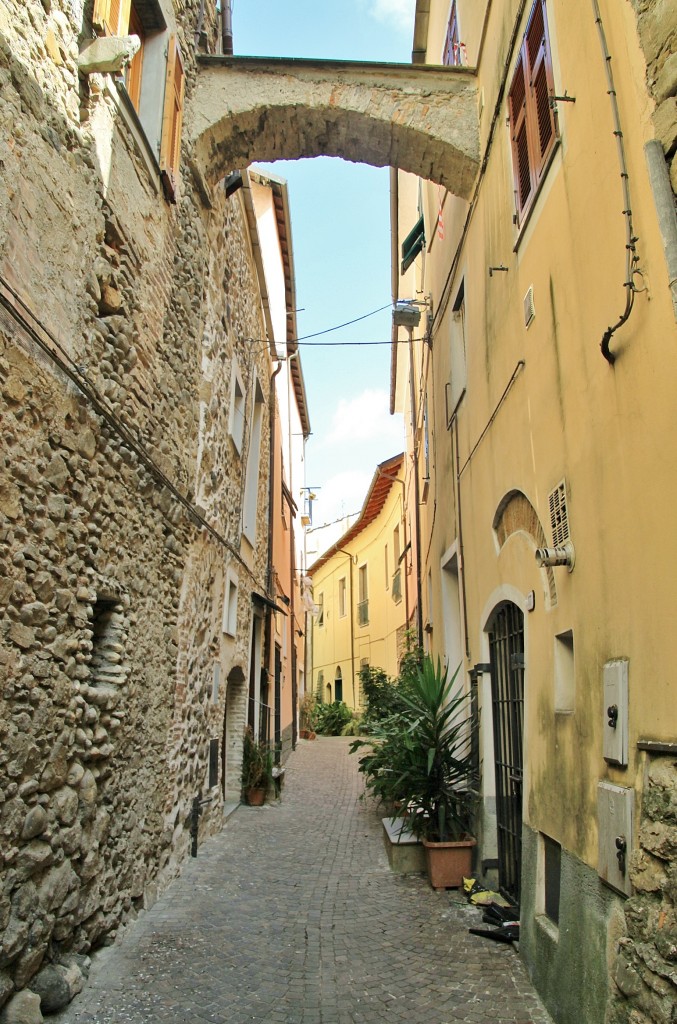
(506, 646)
(338, 684)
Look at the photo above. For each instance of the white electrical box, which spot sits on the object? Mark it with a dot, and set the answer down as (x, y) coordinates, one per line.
(616, 711)
(614, 819)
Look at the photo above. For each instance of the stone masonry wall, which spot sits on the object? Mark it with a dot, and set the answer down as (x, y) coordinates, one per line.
(657, 24)
(645, 968)
(111, 593)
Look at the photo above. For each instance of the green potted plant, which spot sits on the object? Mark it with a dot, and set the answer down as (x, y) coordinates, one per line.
(422, 758)
(308, 716)
(257, 769)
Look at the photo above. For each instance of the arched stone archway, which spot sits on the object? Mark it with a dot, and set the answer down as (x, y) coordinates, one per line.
(418, 118)
(516, 514)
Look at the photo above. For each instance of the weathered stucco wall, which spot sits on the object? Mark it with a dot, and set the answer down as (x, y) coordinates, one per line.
(111, 591)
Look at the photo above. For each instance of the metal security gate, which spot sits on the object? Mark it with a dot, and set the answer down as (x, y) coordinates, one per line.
(506, 644)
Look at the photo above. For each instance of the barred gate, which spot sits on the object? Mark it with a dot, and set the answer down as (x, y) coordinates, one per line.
(506, 644)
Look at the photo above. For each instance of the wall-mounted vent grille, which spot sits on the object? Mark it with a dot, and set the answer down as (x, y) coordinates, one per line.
(559, 518)
(529, 311)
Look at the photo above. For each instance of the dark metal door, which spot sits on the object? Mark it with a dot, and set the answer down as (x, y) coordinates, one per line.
(506, 643)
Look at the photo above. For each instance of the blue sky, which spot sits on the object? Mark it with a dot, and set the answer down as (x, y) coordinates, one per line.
(341, 236)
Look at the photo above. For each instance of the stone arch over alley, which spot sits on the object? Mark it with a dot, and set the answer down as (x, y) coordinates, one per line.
(420, 119)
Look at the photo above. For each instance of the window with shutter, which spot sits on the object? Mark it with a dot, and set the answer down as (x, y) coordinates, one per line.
(170, 150)
(533, 126)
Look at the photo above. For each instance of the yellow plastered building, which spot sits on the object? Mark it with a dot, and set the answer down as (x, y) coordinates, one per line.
(360, 593)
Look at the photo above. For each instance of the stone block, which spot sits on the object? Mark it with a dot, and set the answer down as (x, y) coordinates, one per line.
(659, 839)
(666, 84)
(665, 125)
(57, 985)
(108, 54)
(405, 852)
(23, 1008)
(35, 823)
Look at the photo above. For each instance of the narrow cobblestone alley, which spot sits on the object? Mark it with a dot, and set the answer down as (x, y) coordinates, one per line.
(292, 915)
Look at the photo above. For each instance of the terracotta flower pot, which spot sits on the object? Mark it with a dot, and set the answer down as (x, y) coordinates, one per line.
(449, 863)
(255, 797)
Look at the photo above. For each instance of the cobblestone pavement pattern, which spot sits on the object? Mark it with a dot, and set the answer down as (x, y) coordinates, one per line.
(291, 916)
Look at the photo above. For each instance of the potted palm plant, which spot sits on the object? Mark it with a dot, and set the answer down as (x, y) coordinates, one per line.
(422, 756)
(257, 769)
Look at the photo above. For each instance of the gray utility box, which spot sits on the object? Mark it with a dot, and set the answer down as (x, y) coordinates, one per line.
(616, 711)
(614, 816)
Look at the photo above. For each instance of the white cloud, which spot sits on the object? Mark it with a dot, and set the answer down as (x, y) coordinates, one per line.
(397, 13)
(366, 418)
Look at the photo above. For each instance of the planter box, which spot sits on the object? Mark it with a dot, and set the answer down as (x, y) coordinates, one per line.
(449, 863)
(406, 855)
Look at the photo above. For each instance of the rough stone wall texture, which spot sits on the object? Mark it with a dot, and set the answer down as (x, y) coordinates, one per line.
(657, 24)
(645, 968)
(111, 594)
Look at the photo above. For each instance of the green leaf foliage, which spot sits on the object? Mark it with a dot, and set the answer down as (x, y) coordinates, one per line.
(420, 756)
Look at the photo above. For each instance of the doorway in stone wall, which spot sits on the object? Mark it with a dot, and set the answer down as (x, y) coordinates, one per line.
(506, 646)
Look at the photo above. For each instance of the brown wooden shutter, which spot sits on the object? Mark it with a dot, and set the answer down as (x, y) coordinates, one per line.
(533, 126)
(521, 161)
(135, 69)
(541, 114)
(111, 16)
(170, 149)
(101, 14)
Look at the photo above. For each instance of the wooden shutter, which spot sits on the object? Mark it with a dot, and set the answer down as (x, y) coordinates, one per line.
(541, 114)
(521, 161)
(533, 127)
(135, 69)
(170, 149)
(111, 16)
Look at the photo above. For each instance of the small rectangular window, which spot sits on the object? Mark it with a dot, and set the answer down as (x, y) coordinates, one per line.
(213, 763)
(363, 596)
(320, 607)
(250, 511)
(533, 126)
(230, 605)
(565, 677)
(342, 596)
(552, 863)
(237, 407)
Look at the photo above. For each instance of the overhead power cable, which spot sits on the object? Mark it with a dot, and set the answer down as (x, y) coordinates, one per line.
(339, 327)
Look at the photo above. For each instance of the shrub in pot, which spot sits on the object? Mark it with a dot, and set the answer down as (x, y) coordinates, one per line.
(422, 757)
(257, 769)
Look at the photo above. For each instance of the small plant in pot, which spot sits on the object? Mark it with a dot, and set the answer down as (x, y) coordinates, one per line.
(308, 717)
(257, 769)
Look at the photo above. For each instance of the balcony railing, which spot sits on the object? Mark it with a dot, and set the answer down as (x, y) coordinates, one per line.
(363, 612)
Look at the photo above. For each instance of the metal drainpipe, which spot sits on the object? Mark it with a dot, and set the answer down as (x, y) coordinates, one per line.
(352, 620)
(417, 512)
(292, 563)
(630, 239)
(226, 28)
(268, 636)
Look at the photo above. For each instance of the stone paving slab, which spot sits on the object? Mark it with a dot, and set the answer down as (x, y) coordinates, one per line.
(291, 916)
